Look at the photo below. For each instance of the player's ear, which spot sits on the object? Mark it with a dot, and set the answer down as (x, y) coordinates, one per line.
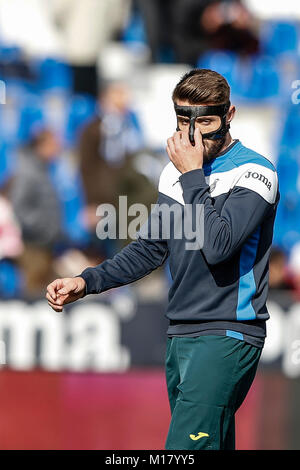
(230, 114)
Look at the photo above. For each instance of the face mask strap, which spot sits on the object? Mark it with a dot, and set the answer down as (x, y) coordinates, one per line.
(191, 130)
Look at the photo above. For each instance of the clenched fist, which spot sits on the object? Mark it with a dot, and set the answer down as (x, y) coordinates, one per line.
(64, 291)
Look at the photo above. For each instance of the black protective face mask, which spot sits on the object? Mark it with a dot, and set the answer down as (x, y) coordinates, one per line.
(193, 112)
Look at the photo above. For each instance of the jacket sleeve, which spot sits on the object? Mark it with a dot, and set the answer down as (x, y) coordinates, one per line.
(252, 200)
(134, 261)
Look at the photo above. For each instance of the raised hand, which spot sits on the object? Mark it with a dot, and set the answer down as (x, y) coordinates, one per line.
(183, 154)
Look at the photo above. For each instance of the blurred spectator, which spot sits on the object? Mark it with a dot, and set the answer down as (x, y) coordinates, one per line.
(105, 143)
(194, 26)
(159, 20)
(214, 24)
(294, 269)
(278, 278)
(37, 210)
(86, 27)
(108, 147)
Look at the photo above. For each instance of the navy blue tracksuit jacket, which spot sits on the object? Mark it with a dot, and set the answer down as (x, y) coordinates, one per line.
(222, 287)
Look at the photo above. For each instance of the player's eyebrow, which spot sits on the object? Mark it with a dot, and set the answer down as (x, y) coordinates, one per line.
(204, 118)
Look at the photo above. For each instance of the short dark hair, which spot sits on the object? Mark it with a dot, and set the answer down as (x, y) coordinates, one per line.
(202, 86)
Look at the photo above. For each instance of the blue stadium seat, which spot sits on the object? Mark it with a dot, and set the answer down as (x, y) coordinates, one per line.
(223, 62)
(70, 193)
(236, 71)
(81, 109)
(53, 75)
(10, 53)
(7, 162)
(31, 117)
(290, 134)
(287, 169)
(134, 31)
(265, 79)
(277, 37)
(11, 280)
(288, 64)
(287, 225)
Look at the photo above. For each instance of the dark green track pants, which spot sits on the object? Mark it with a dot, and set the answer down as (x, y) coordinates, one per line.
(208, 378)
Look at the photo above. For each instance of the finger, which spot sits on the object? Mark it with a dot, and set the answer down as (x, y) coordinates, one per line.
(69, 287)
(171, 145)
(185, 140)
(169, 153)
(60, 300)
(178, 133)
(198, 138)
(53, 287)
(51, 290)
(57, 308)
(63, 299)
(50, 299)
(177, 140)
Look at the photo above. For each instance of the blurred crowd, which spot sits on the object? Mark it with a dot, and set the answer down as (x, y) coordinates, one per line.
(72, 136)
(51, 191)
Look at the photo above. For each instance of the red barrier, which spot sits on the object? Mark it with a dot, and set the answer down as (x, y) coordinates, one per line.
(43, 410)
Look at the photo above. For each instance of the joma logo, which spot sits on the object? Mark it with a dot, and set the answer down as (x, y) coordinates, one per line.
(260, 177)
